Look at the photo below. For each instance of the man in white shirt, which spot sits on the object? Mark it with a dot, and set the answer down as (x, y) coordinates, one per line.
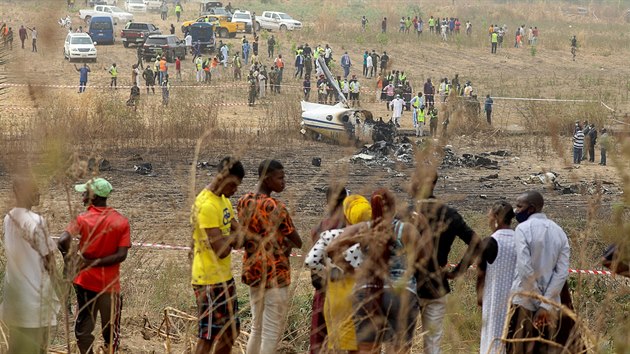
(397, 108)
(542, 267)
(30, 304)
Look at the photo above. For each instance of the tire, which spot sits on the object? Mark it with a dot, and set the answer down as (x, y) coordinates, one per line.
(283, 28)
(223, 33)
(125, 44)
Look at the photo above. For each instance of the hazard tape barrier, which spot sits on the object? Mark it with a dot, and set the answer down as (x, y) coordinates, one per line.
(297, 255)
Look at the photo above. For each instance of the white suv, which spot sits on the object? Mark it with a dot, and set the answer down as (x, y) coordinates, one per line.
(243, 17)
(277, 21)
(135, 6)
(79, 46)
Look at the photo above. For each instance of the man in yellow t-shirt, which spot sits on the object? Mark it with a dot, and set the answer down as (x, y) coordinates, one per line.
(215, 235)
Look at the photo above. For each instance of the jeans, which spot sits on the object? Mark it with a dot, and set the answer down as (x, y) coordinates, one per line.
(432, 314)
(494, 48)
(268, 307)
(90, 303)
(577, 155)
(346, 71)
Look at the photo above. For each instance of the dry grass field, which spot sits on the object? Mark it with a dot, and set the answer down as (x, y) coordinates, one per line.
(49, 129)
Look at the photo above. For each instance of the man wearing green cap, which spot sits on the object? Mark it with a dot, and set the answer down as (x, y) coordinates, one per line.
(104, 239)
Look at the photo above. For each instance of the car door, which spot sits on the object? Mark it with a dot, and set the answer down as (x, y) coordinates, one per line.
(276, 21)
(66, 46)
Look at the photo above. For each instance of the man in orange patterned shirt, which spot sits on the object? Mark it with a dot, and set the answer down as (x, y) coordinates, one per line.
(270, 236)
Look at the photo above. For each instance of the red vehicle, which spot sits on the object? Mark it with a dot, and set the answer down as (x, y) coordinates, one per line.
(137, 33)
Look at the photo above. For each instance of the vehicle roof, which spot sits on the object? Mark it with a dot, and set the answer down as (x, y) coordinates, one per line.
(162, 35)
(275, 12)
(242, 12)
(202, 24)
(98, 17)
(82, 34)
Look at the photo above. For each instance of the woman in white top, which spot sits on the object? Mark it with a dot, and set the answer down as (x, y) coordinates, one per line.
(495, 273)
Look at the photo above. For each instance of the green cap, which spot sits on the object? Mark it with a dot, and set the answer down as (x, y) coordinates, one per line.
(98, 186)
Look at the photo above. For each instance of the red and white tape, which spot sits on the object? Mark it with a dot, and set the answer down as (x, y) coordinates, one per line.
(185, 248)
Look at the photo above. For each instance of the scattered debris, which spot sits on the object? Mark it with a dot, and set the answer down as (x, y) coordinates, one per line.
(205, 165)
(467, 160)
(483, 196)
(145, 169)
(317, 161)
(382, 131)
(541, 178)
(502, 153)
(489, 177)
(383, 153)
(103, 165)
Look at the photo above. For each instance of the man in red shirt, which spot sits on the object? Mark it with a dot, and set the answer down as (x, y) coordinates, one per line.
(104, 240)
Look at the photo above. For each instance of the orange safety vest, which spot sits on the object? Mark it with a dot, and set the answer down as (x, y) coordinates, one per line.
(162, 65)
(279, 63)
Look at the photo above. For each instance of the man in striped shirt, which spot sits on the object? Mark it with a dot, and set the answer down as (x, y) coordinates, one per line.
(578, 144)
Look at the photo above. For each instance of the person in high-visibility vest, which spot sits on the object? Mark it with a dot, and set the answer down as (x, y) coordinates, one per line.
(355, 88)
(494, 39)
(199, 67)
(113, 71)
(178, 10)
(418, 111)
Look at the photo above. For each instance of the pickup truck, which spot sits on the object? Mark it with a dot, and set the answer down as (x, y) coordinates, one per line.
(99, 10)
(222, 26)
(137, 32)
(153, 5)
(277, 21)
(101, 2)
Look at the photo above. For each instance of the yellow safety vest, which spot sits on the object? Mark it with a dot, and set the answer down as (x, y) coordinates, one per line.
(113, 71)
(416, 102)
(420, 116)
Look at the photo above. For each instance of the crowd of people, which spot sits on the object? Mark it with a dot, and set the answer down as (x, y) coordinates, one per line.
(377, 268)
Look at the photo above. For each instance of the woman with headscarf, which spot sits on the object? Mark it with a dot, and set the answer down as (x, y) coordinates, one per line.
(495, 272)
(334, 219)
(386, 258)
(338, 302)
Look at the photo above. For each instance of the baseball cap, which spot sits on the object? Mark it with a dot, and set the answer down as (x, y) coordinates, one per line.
(98, 186)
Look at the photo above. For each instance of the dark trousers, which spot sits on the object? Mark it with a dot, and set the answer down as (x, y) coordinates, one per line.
(591, 152)
(489, 116)
(318, 325)
(577, 155)
(494, 48)
(365, 70)
(23, 39)
(430, 99)
(602, 161)
(109, 306)
(82, 86)
(521, 326)
(114, 82)
(433, 128)
(34, 45)
(28, 340)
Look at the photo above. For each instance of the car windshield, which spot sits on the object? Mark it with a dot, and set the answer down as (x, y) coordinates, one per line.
(242, 16)
(285, 17)
(117, 9)
(136, 1)
(81, 40)
(100, 25)
(156, 41)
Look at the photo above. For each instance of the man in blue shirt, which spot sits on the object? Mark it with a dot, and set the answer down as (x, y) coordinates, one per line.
(488, 108)
(83, 76)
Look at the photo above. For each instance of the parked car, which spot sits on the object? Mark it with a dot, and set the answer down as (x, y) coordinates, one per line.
(101, 2)
(243, 17)
(222, 26)
(102, 29)
(203, 33)
(153, 5)
(79, 46)
(277, 21)
(221, 11)
(135, 6)
(116, 13)
(168, 45)
(137, 33)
